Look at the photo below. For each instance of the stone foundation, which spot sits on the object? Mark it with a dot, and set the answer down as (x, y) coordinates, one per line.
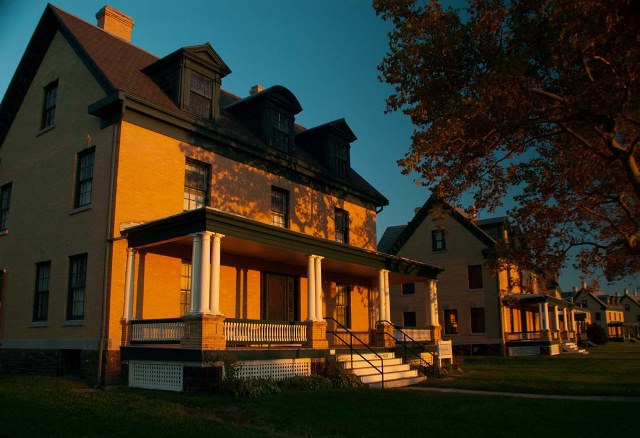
(78, 363)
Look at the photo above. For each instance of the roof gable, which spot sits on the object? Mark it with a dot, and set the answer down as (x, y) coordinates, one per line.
(426, 210)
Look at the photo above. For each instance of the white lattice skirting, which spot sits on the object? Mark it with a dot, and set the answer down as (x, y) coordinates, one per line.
(276, 369)
(524, 351)
(166, 376)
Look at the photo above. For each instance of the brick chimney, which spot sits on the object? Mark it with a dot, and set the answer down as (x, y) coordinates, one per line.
(115, 22)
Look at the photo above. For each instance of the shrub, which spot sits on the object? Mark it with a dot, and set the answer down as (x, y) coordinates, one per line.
(597, 334)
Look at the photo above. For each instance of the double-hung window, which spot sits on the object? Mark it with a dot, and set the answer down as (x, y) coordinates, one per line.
(84, 178)
(200, 95)
(477, 320)
(451, 322)
(196, 185)
(49, 106)
(279, 207)
(343, 305)
(77, 286)
(5, 201)
(438, 242)
(185, 286)
(408, 288)
(281, 131)
(342, 225)
(41, 299)
(474, 274)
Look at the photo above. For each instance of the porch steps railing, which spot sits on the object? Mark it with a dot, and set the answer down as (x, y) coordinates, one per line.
(246, 332)
(410, 346)
(365, 357)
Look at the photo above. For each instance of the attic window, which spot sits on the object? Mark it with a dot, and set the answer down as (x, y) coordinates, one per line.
(340, 158)
(281, 131)
(200, 95)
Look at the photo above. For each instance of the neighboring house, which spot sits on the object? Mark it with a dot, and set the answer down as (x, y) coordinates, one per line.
(150, 220)
(606, 310)
(631, 307)
(479, 311)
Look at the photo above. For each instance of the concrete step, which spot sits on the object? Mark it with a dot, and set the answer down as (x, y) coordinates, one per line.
(364, 364)
(387, 369)
(371, 378)
(399, 383)
(368, 356)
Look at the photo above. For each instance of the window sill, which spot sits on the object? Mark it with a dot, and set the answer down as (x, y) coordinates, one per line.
(80, 209)
(45, 130)
(73, 323)
(39, 324)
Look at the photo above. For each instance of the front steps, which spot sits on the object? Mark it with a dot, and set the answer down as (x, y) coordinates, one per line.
(396, 373)
(572, 348)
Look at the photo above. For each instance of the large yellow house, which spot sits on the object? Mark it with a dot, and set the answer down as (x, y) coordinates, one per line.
(151, 220)
(481, 312)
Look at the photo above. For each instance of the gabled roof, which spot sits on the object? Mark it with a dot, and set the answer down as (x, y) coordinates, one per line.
(392, 246)
(119, 68)
(630, 298)
(339, 127)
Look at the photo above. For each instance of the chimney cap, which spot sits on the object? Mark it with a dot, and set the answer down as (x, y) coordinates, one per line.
(256, 89)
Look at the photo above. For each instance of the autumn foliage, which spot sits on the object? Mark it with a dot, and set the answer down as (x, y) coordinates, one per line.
(533, 99)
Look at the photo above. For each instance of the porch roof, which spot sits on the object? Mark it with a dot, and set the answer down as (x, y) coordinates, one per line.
(251, 238)
(538, 298)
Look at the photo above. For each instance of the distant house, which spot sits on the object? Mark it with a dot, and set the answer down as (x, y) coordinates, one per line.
(631, 307)
(151, 221)
(606, 310)
(479, 311)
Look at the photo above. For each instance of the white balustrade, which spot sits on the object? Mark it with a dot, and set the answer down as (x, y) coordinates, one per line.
(157, 331)
(418, 335)
(264, 332)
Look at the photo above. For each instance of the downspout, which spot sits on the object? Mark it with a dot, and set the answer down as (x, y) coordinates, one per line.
(106, 295)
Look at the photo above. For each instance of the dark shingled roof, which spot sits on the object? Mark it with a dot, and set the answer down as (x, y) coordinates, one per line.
(118, 67)
(389, 237)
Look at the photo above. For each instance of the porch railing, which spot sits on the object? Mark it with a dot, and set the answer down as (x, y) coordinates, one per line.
(244, 332)
(524, 336)
(164, 331)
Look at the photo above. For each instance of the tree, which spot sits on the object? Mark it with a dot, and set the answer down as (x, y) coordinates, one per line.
(533, 98)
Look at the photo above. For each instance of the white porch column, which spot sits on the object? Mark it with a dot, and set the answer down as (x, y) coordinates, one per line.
(205, 271)
(381, 295)
(556, 318)
(541, 316)
(311, 288)
(318, 291)
(196, 263)
(545, 306)
(566, 321)
(127, 306)
(214, 290)
(573, 320)
(387, 297)
(433, 303)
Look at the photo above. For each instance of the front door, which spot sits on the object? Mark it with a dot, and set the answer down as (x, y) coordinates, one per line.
(279, 298)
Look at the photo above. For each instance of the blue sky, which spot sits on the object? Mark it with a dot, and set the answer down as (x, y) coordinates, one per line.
(325, 51)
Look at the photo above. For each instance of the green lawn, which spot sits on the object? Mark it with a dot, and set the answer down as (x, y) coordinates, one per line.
(612, 369)
(42, 406)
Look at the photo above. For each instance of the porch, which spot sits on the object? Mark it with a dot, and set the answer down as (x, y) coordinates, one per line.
(539, 324)
(251, 290)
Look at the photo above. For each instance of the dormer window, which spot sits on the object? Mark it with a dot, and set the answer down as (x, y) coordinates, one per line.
(200, 95)
(281, 131)
(340, 158)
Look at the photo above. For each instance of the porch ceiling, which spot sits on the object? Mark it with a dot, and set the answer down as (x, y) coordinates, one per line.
(524, 300)
(248, 238)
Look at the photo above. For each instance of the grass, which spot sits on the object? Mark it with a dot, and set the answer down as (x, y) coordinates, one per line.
(612, 369)
(45, 406)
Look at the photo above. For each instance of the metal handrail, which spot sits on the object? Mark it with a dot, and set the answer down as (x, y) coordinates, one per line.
(352, 350)
(413, 341)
